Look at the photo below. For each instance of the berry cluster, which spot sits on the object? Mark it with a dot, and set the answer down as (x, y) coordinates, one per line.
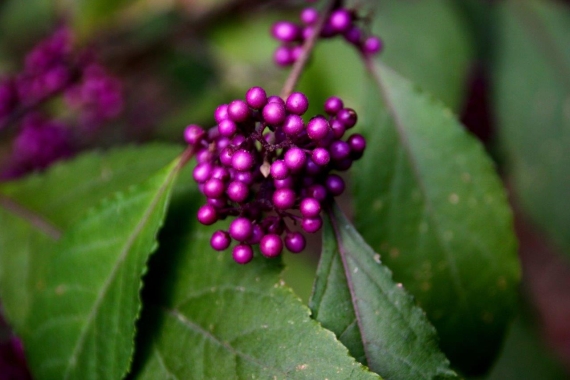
(264, 165)
(341, 21)
(52, 68)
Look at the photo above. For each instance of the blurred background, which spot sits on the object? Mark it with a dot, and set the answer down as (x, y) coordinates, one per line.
(157, 65)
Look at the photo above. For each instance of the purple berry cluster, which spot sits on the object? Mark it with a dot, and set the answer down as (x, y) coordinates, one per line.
(53, 68)
(341, 21)
(265, 166)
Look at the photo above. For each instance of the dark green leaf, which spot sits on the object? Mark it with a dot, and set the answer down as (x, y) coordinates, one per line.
(209, 318)
(532, 97)
(86, 305)
(429, 201)
(356, 298)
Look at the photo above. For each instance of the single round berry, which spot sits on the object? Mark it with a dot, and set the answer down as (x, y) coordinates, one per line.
(339, 150)
(245, 177)
(274, 113)
(227, 128)
(309, 16)
(220, 173)
(193, 134)
(312, 225)
(242, 160)
(238, 111)
(283, 198)
(207, 215)
(295, 159)
(256, 97)
(283, 56)
(357, 144)
(285, 31)
(202, 172)
(221, 113)
(204, 155)
(222, 142)
(317, 128)
(279, 169)
(214, 188)
(348, 117)
(320, 156)
(318, 192)
(340, 20)
(218, 203)
(241, 229)
(293, 125)
(310, 207)
(295, 242)
(353, 35)
(297, 103)
(338, 128)
(256, 235)
(226, 156)
(271, 245)
(275, 99)
(334, 184)
(242, 253)
(372, 45)
(311, 169)
(237, 191)
(220, 240)
(238, 140)
(333, 105)
(286, 183)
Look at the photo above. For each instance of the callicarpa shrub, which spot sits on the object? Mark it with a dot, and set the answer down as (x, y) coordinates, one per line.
(146, 149)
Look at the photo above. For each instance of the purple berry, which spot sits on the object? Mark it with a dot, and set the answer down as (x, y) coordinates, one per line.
(220, 173)
(245, 177)
(340, 20)
(317, 128)
(357, 144)
(256, 97)
(202, 172)
(275, 99)
(226, 156)
(221, 113)
(283, 56)
(334, 184)
(283, 198)
(293, 125)
(220, 240)
(241, 229)
(279, 169)
(242, 253)
(274, 113)
(214, 188)
(285, 31)
(218, 203)
(295, 242)
(318, 192)
(207, 215)
(242, 160)
(348, 117)
(295, 159)
(312, 225)
(338, 128)
(339, 150)
(238, 111)
(237, 191)
(311, 169)
(372, 45)
(222, 142)
(238, 140)
(286, 183)
(271, 245)
(227, 128)
(193, 134)
(333, 105)
(204, 155)
(297, 103)
(310, 207)
(343, 164)
(309, 16)
(321, 156)
(256, 235)
(353, 35)
(296, 52)
(308, 32)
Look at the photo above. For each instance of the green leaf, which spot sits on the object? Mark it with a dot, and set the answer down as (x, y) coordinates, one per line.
(208, 318)
(532, 98)
(85, 307)
(35, 210)
(429, 201)
(356, 298)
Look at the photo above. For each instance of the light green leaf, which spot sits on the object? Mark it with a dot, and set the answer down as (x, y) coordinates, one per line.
(356, 298)
(86, 305)
(210, 318)
(532, 98)
(430, 203)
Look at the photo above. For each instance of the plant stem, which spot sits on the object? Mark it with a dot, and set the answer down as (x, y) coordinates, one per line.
(308, 46)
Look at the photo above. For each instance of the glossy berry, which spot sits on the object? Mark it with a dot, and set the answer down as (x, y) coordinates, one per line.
(310, 208)
(241, 229)
(295, 242)
(318, 192)
(271, 245)
(339, 150)
(214, 188)
(242, 160)
(293, 125)
(321, 156)
(193, 134)
(279, 170)
(334, 184)
(333, 105)
(312, 225)
(340, 20)
(283, 198)
(295, 159)
(256, 97)
(237, 191)
(220, 240)
(348, 117)
(285, 31)
(238, 111)
(207, 215)
(221, 113)
(317, 128)
(274, 113)
(227, 128)
(357, 144)
(242, 253)
(202, 172)
(256, 235)
(297, 103)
